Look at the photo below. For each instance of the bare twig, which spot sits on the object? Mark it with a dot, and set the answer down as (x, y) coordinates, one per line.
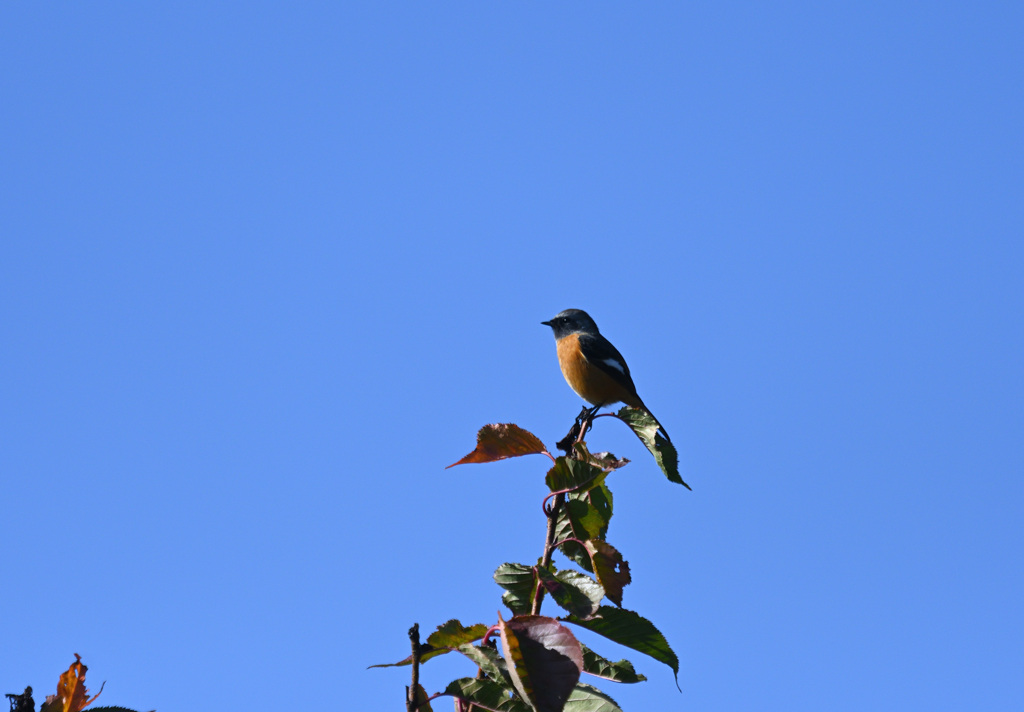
(411, 691)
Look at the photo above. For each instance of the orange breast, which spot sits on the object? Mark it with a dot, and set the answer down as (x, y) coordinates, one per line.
(590, 382)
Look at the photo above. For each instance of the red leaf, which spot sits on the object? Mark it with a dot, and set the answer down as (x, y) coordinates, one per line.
(502, 440)
(544, 659)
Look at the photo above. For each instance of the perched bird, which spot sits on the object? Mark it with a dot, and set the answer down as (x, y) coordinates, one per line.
(591, 365)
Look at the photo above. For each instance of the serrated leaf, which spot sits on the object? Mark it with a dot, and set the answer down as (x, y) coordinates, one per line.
(520, 584)
(516, 604)
(632, 630)
(489, 660)
(590, 699)
(487, 694)
(452, 634)
(575, 592)
(599, 666)
(611, 569)
(448, 636)
(72, 695)
(585, 516)
(544, 660)
(572, 475)
(570, 524)
(646, 428)
(588, 512)
(500, 441)
(596, 517)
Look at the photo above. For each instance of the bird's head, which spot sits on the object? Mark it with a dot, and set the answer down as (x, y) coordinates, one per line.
(571, 321)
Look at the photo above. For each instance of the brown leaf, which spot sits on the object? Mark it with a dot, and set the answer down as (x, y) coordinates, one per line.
(605, 460)
(72, 695)
(502, 440)
(611, 569)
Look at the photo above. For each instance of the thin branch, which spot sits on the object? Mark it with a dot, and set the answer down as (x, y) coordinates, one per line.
(410, 697)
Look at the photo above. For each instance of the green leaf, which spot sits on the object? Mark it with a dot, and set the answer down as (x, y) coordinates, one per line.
(589, 513)
(452, 634)
(632, 630)
(590, 699)
(515, 603)
(600, 514)
(646, 428)
(570, 524)
(520, 584)
(487, 694)
(447, 637)
(611, 569)
(599, 666)
(585, 516)
(575, 592)
(544, 660)
(500, 441)
(572, 475)
(488, 659)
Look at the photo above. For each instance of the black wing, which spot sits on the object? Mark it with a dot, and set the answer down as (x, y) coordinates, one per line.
(600, 352)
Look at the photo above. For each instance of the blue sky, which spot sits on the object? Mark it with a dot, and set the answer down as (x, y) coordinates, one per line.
(266, 268)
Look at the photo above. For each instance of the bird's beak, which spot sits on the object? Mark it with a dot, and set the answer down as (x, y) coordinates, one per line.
(546, 323)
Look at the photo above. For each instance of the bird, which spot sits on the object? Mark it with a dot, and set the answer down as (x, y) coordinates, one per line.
(591, 365)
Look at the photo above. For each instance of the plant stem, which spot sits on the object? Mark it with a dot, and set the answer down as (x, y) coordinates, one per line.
(549, 547)
(411, 692)
(579, 429)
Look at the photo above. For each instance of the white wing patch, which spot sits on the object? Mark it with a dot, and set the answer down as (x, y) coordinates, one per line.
(616, 364)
